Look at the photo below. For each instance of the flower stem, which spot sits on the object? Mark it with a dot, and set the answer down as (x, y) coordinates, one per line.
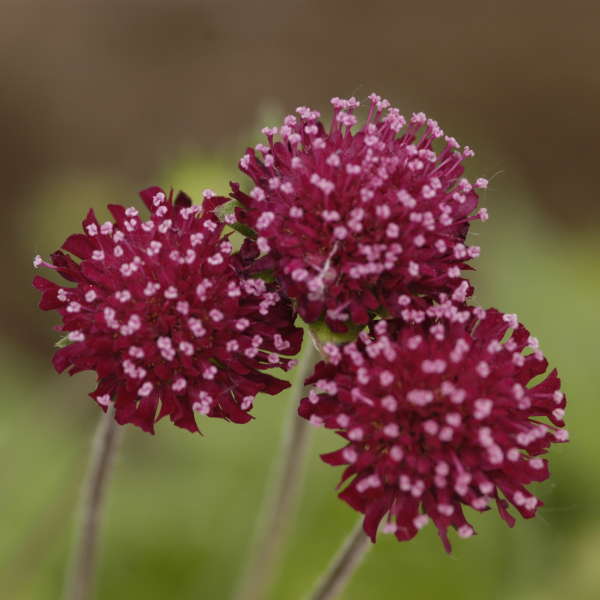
(79, 582)
(343, 565)
(281, 499)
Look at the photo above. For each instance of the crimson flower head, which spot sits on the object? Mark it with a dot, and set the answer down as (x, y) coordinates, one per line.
(352, 218)
(438, 414)
(161, 310)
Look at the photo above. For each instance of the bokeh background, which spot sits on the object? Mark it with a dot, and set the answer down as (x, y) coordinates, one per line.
(102, 98)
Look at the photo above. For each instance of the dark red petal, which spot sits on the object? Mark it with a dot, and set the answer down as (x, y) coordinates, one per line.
(79, 245)
(147, 196)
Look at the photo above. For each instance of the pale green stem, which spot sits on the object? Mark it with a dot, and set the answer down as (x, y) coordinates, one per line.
(80, 576)
(281, 500)
(343, 566)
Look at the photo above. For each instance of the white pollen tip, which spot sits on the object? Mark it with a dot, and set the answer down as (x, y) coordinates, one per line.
(465, 531)
(420, 521)
(103, 400)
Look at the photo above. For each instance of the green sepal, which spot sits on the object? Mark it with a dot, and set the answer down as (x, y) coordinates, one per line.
(63, 342)
(243, 229)
(323, 335)
(268, 275)
(228, 208)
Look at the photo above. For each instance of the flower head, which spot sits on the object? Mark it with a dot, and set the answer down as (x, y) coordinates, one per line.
(160, 310)
(352, 221)
(438, 415)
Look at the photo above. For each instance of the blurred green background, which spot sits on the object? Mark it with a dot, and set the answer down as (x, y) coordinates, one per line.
(101, 99)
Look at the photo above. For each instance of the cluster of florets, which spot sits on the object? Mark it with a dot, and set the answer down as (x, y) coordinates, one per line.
(359, 228)
(351, 221)
(162, 312)
(438, 413)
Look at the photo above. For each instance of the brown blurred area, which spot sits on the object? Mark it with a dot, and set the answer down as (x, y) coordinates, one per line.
(119, 88)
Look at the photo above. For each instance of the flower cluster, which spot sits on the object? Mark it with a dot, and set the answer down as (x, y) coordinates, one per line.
(358, 228)
(351, 221)
(162, 312)
(438, 413)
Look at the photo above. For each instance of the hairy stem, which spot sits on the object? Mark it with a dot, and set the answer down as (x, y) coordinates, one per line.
(281, 500)
(79, 582)
(343, 566)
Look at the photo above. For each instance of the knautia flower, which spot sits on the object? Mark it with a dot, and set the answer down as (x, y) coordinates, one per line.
(161, 312)
(438, 413)
(351, 220)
